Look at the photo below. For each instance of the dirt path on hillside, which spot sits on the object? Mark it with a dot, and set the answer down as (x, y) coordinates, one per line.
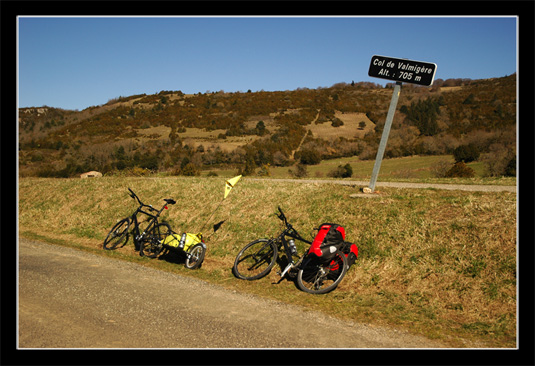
(74, 299)
(304, 137)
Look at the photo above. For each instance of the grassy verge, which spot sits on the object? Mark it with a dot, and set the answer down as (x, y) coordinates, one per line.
(437, 263)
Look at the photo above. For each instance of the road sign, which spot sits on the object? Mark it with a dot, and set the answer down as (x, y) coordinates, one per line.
(402, 70)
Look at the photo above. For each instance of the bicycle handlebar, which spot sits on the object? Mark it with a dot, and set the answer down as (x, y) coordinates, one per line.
(291, 230)
(282, 217)
(167, 201)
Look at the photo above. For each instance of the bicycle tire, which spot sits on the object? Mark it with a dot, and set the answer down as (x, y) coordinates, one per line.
(195, 256)
(318, 277)
(152, 243)
(259, 255)
(117, 235)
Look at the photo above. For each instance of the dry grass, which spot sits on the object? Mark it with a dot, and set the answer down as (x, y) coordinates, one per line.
(350, 128)
(437, 263)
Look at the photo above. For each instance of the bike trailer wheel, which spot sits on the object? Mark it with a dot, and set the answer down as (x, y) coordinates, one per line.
(195, 256)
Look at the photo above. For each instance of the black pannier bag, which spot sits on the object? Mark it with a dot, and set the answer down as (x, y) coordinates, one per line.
(329, 239)
(351, 252)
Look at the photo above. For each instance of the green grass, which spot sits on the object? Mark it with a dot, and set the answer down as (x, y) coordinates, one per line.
(437, 263)
(411, 169)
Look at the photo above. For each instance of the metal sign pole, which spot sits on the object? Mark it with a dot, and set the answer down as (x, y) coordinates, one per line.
(384, 137)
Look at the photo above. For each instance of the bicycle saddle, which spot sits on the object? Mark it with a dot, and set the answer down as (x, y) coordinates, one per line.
(170, 201)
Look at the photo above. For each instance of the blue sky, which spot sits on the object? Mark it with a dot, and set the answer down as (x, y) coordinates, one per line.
(78, 62)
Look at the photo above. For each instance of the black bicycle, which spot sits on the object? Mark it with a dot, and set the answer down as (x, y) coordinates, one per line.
(312, 274)
(119, 234)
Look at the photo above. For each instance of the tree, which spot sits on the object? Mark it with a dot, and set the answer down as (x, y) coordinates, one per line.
(466, 153)
(337, 122)
(423, 115)
(310, 157)
(260, 128)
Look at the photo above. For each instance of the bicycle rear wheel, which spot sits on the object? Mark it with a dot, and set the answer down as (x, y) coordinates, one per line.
(319, 277)
(255, 260)
(152, 243)
(118, 235)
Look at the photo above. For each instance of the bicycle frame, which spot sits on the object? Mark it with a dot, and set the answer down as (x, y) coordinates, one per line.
(153, 217)
(289, 231)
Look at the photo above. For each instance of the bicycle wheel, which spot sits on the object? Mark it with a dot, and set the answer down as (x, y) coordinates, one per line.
(255, 260)
(195, 256)
(318, 277)
(152, 243)
(118, 235)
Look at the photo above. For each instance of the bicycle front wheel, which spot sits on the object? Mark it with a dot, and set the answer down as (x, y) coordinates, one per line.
(319, 277)
(118, 235)
(152, 243)
(255, 260)
(195, 257)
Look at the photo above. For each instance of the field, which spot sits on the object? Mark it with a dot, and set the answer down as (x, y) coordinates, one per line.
(436, 263)
(411, 168)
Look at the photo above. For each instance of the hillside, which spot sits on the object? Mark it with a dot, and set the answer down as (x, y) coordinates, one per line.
(186, 134)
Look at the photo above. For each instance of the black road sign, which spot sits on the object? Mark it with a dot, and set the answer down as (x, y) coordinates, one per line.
(402, 70)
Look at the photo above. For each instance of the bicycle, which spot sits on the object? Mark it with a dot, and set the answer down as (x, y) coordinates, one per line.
(162, 240)
(119, 234)
(312, 274)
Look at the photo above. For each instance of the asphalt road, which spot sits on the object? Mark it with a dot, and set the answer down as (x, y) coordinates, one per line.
(73, 299)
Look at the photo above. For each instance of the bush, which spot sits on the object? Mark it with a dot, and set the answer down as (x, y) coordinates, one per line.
(302, 171)
(460, 170)
(341, 172)
(500, 161)
(510, 169)
(190, 170)
(440, 169)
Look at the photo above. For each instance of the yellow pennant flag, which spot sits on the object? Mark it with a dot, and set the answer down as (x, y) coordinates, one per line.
(230, 184)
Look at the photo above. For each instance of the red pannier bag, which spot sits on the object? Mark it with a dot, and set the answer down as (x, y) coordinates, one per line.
(329, 239)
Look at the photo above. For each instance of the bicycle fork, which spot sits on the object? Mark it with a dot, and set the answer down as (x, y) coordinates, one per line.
(288, 267)
(291, 266)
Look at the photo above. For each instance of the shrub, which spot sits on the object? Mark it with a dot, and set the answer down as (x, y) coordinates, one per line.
(190, 170)
(341, 172)
(500, 160)
(460, 170)
(440, 169)
(302, 171)
(264, 171)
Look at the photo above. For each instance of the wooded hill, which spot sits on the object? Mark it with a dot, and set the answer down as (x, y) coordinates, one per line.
(186, 134)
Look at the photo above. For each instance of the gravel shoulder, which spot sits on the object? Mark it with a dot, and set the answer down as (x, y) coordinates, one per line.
(77, 300)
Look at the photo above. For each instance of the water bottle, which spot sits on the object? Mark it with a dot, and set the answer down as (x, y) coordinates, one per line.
(293, 248)
(182, 241)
